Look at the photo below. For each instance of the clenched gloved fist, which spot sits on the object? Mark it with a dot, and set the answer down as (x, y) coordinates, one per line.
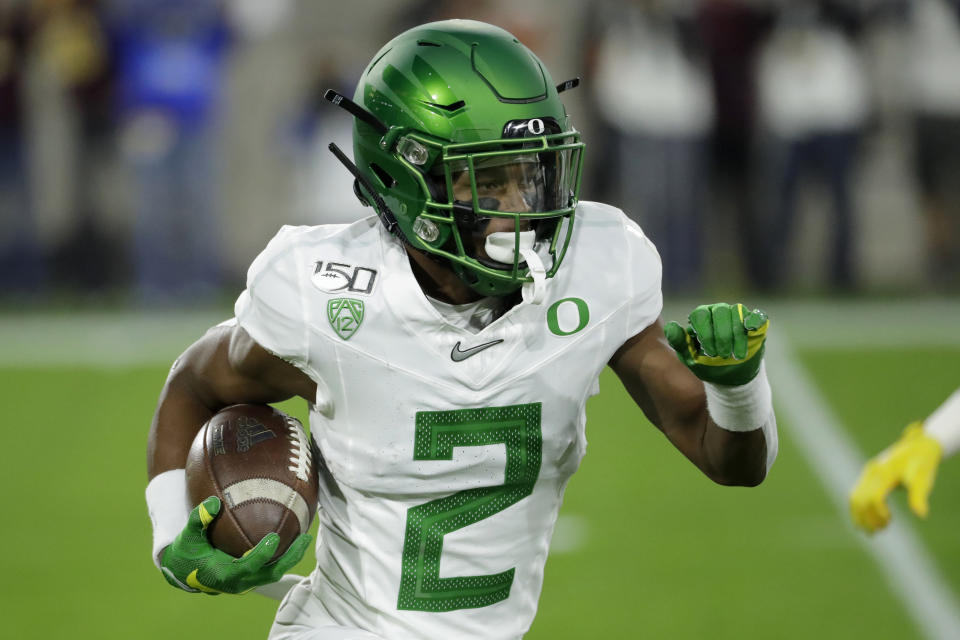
(723, 343)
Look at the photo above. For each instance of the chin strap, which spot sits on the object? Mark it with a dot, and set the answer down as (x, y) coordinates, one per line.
(534, 292)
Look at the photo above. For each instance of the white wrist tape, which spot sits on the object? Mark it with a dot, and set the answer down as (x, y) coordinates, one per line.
(745, 407)
(943, 425)
(169, 508)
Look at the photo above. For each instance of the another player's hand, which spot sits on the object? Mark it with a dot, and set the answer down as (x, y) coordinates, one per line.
(191, 563)
(912, 462)
(723, 343)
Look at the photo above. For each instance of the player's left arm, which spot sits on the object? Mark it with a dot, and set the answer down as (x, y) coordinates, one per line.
(712, 402)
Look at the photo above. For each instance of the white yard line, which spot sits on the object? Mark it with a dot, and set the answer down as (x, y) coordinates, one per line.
(911, 572)
(104, 340)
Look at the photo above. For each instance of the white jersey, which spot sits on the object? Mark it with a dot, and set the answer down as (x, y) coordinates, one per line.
(447, 452)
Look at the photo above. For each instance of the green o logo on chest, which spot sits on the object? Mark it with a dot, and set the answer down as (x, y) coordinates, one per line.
(567, 316)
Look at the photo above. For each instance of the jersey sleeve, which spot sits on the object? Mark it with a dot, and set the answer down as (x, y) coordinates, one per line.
(645, 300)
(944, 424)
(271, 308)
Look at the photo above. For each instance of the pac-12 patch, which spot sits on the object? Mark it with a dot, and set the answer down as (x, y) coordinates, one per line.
(345, 316)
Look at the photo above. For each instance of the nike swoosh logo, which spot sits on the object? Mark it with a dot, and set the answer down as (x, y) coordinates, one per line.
(458, 355)
(196, 584)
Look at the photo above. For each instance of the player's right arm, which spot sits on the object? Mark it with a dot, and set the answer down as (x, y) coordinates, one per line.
(910, 462)
(226, 366)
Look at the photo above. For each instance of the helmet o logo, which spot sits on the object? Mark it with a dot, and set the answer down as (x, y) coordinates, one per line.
(535, 126)
(567, 316)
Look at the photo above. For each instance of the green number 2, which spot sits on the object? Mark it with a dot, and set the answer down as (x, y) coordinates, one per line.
(437, 433)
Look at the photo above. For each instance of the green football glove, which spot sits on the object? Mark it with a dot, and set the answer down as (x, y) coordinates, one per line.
(191, 563)
(723, 343)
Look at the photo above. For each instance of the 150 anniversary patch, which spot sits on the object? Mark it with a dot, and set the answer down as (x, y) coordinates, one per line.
(336, 277)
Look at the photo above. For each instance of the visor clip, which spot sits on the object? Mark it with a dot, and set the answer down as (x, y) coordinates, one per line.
(425, 229)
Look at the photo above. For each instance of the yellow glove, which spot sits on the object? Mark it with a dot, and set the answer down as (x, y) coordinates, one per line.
(911, 461)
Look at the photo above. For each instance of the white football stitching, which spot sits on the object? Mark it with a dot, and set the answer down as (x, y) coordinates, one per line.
(299, 451)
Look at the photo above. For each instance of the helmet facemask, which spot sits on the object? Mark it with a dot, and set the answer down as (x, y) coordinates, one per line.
(525, 190)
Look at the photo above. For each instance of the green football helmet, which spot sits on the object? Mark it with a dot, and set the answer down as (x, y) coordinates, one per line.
(458, 124)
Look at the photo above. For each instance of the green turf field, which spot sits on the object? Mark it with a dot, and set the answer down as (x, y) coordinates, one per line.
(646, 546)
(908, 382)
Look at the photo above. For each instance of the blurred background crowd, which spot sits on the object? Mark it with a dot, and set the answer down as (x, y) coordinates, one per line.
(150, 148)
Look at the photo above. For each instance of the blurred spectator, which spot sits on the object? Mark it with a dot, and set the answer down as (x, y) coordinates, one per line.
(20, 259)
(81, 80)
(423, 11)
(171, 58)
(814, 102)
(934, 80)
(650, 87)
(72, 46)
(732, 31)
(520, 19)
(324, 188)
(256, 19)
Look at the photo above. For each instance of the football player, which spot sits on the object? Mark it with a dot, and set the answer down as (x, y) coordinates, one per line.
(447, 346)
(912, 462)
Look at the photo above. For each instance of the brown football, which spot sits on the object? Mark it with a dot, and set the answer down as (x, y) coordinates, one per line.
(258, 461)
